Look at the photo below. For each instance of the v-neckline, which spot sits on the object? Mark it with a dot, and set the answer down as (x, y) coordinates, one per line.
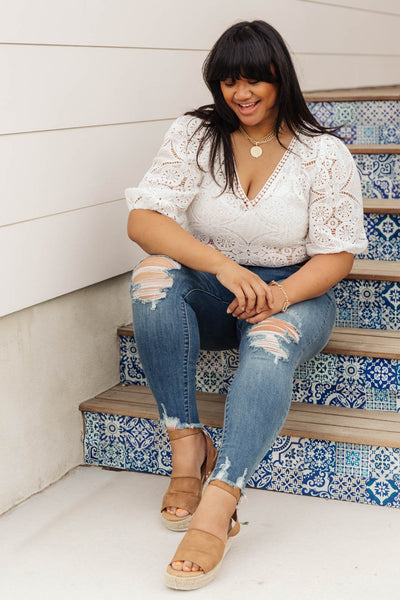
(271, 179)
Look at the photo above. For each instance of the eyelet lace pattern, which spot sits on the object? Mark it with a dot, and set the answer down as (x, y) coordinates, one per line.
(311, 204)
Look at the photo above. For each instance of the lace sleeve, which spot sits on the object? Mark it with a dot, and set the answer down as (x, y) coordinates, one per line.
(335, 205)
(172, 181)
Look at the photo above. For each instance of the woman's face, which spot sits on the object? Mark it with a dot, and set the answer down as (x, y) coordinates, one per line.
(254, 102)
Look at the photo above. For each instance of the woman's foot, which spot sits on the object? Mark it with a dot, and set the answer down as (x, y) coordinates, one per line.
(213, 515)
(193, 460)
(188, 454)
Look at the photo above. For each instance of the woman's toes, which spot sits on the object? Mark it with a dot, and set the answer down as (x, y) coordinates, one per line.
(196, 568)
(181, 512)
(171, 510)
(177, 565)
(187, 566)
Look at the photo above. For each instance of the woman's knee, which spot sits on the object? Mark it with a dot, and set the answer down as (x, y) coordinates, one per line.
(152, 278)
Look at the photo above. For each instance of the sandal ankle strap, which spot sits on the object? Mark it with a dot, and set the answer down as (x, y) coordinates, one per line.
(177, 434)
(234, 491)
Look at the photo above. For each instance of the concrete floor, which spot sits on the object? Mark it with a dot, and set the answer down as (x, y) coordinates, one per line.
(96, 534)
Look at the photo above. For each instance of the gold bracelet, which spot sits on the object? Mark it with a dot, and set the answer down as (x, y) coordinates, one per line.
(286, 304)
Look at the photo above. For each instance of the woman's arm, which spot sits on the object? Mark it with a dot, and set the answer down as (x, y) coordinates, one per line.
(313, 279)
(158, 234)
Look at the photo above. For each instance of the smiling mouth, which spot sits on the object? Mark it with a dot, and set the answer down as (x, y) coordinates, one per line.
(249, 105)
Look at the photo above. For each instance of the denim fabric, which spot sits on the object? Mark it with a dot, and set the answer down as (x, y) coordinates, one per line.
(187, 312)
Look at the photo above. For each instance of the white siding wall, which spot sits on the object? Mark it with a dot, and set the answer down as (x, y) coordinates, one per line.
(88, 87)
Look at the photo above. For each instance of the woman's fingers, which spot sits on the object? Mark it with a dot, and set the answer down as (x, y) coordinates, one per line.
(259, 317)
(252, 294)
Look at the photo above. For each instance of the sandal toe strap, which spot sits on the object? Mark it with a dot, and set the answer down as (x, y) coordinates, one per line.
(183, 492)
(201, 548)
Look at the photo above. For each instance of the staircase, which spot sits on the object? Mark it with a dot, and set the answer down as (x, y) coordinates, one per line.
(341, 439)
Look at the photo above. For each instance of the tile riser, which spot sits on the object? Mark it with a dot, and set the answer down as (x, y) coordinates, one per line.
(371, 122)
(336, 470)
(379, 174)
(349, 381)
(383, 233)
(368, 304)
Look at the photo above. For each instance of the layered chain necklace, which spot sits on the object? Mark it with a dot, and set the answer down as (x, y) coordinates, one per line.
(255, 150)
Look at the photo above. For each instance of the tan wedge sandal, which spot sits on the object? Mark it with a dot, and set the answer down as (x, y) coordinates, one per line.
(203, 549)
(185, 492)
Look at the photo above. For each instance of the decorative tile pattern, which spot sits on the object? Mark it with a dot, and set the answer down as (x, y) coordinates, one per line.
(350, 381)
(352, 459)
(368, 304)
(383, 233)
(380, 175)
(370, 122)
(350, 472)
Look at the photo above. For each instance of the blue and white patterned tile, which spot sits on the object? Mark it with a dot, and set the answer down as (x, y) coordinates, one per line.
(288, 452)
(294, 465)
(368, 304)
(383, 233)
(262, 476)
(373, 122)
(286, 480)
(382, 399)
(317, 483)
(350, 381)
(348, 488)
(384, 492)
(384, 462)
(341, 394)
(382, 373)
(322, 368)
(352, 459)
(380, 175)
(131, 370)
(319, 456)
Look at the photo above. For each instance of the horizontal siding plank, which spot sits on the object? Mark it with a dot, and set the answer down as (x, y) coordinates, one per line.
(58, 87)
(72, 169)
(304, 420)
(323, 72)
(57, 255)
(173, 25)
(383, 6)
(77, 87)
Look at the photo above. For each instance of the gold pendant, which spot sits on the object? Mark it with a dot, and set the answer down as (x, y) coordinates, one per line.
(256, 151)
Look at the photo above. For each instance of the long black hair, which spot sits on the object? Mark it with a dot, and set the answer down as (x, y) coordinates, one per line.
(253, 50)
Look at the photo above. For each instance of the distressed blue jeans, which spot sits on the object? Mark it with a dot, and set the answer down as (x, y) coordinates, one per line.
(177, 311)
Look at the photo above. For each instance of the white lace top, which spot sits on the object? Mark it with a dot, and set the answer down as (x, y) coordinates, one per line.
(311, 204)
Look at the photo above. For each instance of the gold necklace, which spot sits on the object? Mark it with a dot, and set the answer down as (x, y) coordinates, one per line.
(255, 150)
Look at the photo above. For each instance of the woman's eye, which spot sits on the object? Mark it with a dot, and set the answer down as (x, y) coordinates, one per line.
(254, 82)
(228, 83)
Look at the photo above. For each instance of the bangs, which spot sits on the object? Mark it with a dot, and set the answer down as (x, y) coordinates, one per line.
(242, 55)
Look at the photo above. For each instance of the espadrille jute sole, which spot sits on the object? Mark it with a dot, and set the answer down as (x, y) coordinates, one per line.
(180, 580)
(178, 525)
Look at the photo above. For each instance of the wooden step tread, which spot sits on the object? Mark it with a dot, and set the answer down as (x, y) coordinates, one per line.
(385, 92)
(376, 343)
(382, 206)
(358, 426)
(374, 148)
(376, 270)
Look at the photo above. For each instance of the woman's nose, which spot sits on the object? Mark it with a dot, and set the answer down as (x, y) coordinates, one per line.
(242, 91)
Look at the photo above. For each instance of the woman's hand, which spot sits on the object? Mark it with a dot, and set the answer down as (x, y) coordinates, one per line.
(252, 295)
(256, 316)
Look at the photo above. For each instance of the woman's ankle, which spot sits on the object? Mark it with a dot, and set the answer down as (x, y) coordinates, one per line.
(188, 454)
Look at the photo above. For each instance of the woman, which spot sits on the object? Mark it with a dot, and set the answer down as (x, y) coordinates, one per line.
(251, 212)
